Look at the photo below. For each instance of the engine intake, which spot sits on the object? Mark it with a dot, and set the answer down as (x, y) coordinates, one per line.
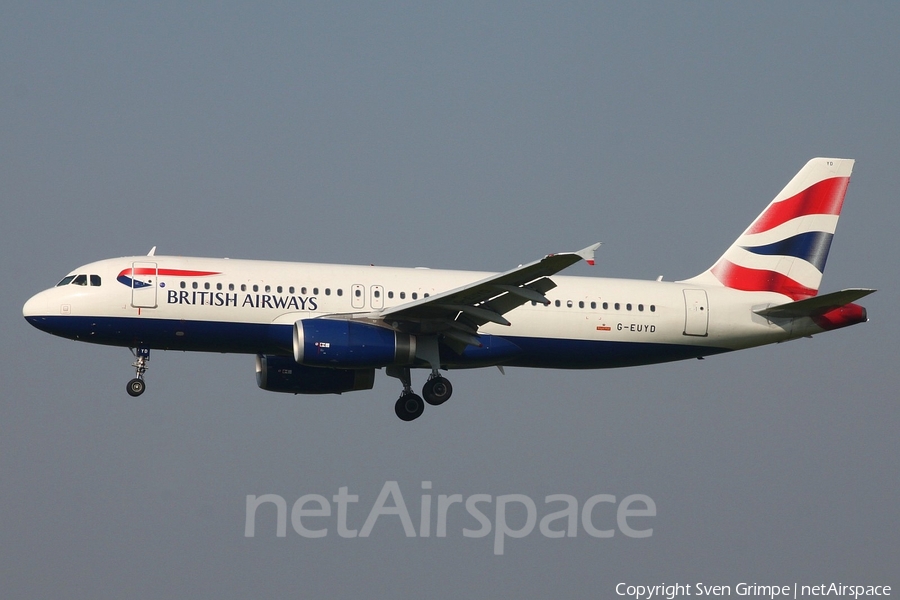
(347, 344)
(282, 374)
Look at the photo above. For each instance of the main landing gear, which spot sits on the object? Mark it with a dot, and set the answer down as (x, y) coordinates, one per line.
(410, 406)
(437, 390)
(137, 386)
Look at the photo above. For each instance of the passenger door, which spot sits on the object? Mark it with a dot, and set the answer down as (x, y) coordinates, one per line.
(143, 284)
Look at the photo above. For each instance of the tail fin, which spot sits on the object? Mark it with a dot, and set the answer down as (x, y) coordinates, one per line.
(785, 248)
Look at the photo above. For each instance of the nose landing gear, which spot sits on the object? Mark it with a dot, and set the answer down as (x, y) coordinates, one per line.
(137, 386)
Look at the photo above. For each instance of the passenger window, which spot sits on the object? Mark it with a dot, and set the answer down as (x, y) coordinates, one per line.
(569, 303)
(641, 307)
(66, 280)
(230, 287)
(303, 290)
(206, 286)
(415, 295)
(243, 287)
(95, 280)
(616, 305)
(390, 294)
(183, 285)
(606, 306)
(558, 303)
(426, 294)
(278, 289)
(291, 290)
(340, 292)
(218, 286)
(357, 292)
(652, 308)
(268, 288)
(593, 305)
(377, 294)
(402, 295)
(194, 284)
(327, 291)
(315, 291)
(628, 306)
(255, 288)
(580, 304)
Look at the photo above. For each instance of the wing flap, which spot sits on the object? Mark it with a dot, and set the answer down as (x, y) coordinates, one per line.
(477, 312)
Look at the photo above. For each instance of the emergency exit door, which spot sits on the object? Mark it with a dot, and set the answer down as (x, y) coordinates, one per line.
(696, 313)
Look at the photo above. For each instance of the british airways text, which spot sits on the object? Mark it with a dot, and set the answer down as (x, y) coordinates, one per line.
(195, 298)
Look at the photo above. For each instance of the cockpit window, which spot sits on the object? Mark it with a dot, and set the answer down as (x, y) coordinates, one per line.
(79, 280)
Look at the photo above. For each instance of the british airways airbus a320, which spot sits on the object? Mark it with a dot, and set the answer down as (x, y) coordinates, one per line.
(321, 328)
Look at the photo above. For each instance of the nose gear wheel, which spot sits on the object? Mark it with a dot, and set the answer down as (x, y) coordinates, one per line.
(137, 386)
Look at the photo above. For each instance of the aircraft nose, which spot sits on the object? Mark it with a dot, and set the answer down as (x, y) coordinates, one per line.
(30, 308)
(38, 306)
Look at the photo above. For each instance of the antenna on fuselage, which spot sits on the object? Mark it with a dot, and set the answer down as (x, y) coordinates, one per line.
(152, 251)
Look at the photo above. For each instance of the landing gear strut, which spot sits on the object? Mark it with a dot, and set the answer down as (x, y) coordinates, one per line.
(137, 386)
(410, 406)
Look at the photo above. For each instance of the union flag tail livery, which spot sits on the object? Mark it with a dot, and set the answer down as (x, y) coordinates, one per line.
(326, 329)
(785, 248)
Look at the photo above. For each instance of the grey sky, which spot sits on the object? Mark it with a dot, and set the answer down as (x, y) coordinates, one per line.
(471, 136)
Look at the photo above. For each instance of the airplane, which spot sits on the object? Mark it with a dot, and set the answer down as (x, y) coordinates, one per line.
(326, 328)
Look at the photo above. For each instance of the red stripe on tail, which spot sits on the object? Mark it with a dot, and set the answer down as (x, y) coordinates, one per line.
(756, 280)
(823, 198)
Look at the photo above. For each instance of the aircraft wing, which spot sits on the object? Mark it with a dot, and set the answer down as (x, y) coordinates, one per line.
(458, 313)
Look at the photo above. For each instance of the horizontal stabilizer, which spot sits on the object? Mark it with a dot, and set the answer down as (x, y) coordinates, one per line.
(816, 305)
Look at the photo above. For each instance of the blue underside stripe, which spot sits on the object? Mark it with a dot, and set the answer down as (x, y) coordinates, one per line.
(250, 338)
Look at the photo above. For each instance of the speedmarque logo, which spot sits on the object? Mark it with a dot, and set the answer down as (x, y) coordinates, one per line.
(315, 516)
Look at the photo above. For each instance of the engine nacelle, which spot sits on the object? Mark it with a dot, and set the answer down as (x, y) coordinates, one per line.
(282, 374)
(347, 344)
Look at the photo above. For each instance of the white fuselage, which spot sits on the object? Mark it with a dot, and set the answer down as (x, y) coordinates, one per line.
(248, 306)
(319, 328)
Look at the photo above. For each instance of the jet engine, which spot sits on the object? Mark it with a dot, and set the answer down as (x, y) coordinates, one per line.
(346, 344)
(282, 374)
